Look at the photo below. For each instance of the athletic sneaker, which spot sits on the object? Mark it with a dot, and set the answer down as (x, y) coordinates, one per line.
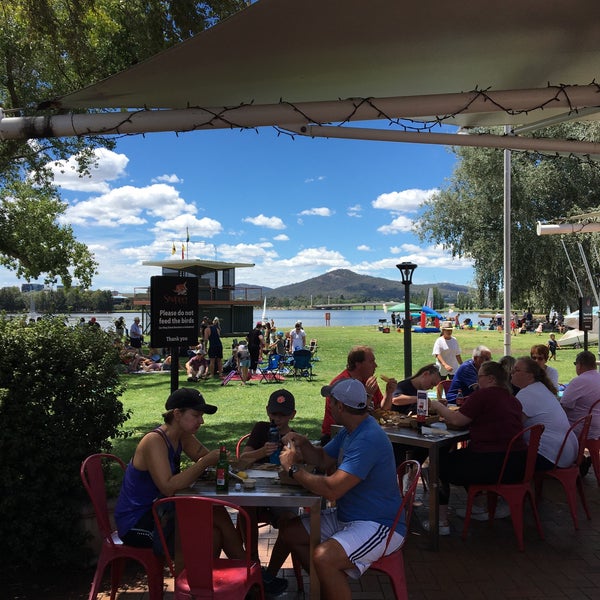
(273, 585)
(443, 528)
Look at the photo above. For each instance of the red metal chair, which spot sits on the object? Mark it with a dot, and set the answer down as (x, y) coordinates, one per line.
(202, 575)
(593, 445)
(393, 564)
(443, 387)
(295, 562)
(569, 477)
(513, 493)
(238, 446)
(114, 552)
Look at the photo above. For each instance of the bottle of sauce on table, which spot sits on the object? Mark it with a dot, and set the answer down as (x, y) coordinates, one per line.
(223, 470)
(459, 398)
(422, 409)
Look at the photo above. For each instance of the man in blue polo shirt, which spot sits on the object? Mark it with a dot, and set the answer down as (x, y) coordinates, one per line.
(465, 378)
(363, 483)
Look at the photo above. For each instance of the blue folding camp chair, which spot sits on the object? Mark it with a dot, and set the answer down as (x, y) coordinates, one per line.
(272, 371)
(302, 365)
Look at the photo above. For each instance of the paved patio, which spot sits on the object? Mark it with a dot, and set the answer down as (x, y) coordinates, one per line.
(488, 565)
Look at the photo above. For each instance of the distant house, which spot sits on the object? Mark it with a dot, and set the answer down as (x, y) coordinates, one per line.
(217, 293)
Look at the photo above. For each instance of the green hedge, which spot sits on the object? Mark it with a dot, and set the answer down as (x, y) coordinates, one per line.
(59, 402)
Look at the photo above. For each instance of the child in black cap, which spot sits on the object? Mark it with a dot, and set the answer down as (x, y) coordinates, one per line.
(281, 409)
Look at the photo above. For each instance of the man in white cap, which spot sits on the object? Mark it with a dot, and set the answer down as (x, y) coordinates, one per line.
(135, 334)
(363, 483)
(447, 351)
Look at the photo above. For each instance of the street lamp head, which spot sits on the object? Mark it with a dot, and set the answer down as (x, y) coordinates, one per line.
(406, 269)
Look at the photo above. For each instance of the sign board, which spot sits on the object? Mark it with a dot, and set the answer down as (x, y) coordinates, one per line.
(174, 318)
(586, 319)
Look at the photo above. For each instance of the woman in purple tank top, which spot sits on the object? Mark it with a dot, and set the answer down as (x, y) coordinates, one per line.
(154, 472)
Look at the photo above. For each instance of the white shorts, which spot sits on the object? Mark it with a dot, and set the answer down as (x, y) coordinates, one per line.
(362, 541)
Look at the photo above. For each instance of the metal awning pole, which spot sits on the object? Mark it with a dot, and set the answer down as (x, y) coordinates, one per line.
(507, 269)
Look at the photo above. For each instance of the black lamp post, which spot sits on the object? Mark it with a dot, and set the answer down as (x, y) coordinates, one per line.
(407, 269)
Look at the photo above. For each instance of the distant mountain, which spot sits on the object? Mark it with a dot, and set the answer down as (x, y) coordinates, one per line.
(343, 285)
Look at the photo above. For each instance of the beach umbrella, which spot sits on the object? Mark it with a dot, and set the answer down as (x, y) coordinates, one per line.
(430, 312)
(400, 308)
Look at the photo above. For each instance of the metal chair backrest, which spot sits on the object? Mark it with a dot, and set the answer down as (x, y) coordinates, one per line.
(535, 433)
(595, 411)
(238, 446)
(92, 477)
(583, 422)
(406, 506)
(194, 515)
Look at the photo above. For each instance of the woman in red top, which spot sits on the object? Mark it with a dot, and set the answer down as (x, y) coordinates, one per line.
(493, 416)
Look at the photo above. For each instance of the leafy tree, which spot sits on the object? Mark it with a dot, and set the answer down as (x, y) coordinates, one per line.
(49, 48)
(467, 218)
(59, 402)
(438, 299)
(11, 299)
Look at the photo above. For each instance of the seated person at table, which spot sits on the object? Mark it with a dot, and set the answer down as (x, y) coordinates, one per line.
(360, 365)
(537, 395)
(404, 399)
(465, 378)
(154, 472)
(540, 353)
(582, 392)
(281, 409)
(364, 485)
(493, 416)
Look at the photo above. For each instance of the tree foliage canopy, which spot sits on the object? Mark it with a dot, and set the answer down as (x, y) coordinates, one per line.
(49, 48)
(467, 218)
(59, 400)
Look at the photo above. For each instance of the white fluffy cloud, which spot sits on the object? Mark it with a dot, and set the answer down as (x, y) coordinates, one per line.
(354, 211)
(398, 225)
(315, 257)
(109, 166)
(129, 205)
(318, 212)
(268, 222)
(182, 223)
(167, 179)
(404, 201)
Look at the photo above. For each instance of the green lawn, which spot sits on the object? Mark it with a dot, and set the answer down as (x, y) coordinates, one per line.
(241, 406)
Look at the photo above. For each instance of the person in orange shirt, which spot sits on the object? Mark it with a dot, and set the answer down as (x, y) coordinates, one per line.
(360, 365)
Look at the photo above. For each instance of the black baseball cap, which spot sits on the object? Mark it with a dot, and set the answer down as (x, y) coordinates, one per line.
(189, 398)
(281, 402)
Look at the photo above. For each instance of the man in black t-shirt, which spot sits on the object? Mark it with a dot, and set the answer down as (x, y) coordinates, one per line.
(256, 343)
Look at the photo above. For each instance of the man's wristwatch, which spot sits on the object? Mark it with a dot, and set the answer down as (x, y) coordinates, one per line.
(292, 470)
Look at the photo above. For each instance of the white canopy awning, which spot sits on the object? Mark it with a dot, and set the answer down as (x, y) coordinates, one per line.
(293, 63)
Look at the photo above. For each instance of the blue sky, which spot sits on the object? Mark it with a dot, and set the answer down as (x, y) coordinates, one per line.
(296, 207)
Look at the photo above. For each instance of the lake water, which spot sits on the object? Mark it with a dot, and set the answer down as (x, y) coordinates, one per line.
(284, 319)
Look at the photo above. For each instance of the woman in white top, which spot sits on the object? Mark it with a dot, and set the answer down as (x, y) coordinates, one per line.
(540, 353)
(537, 395)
